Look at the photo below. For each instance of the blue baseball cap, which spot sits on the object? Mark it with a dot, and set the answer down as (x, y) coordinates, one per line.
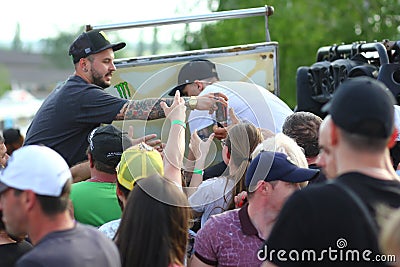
(275, 166)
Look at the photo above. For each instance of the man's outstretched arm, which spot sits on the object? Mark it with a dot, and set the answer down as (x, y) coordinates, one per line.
(150, 109)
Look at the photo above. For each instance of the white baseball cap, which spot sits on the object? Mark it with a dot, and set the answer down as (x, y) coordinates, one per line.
(36, 168)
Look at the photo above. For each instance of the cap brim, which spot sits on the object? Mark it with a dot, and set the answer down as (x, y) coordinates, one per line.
(301, 175)
(115, 47)
(178, 87)
(3, 187)
(118, 46)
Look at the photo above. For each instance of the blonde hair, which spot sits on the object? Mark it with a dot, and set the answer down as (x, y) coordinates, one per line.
(280, 142)
(284, 144)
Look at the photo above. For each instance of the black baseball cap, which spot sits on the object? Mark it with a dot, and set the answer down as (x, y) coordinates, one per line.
(11, 135)
(276, 166)
(196, 69)
(364, 106)
(106, 144)
(91, 42)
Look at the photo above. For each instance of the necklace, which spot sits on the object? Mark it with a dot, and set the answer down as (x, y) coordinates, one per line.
(94, 179)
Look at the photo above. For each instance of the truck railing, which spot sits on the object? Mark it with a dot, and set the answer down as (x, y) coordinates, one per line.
(265, 11)
(337, 51)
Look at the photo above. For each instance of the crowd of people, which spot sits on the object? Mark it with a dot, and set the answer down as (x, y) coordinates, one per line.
(290, 188)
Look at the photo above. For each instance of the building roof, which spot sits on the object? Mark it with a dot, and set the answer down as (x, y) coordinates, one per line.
(32, 71)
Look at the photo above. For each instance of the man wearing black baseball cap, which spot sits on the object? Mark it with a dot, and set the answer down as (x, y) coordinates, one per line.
(94, 200)
(347, 212)
(250, 102)
(195, 70)
(79, 105)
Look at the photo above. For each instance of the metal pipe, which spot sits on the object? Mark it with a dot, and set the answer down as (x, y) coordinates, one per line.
(241, 13)
(347, 48)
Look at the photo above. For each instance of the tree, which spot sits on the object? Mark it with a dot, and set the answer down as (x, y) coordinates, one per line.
(4, 80)
(56, 49)
(301, 27)
(17, 43)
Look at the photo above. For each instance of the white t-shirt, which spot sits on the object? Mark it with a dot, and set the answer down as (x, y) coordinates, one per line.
(251, 103)
(397, 120)
(110, 228)
(209, 197)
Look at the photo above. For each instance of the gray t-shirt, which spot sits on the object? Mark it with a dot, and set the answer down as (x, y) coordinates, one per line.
(81, 246)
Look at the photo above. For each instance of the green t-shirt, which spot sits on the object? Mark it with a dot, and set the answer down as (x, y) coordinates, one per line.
(95, 203)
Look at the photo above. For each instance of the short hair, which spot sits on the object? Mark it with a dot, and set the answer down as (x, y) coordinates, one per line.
(100, 166)
(364, 143)
(303, 127)
(284, 144)
(54, 205)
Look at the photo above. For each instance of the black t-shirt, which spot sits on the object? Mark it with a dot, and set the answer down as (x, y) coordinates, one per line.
(80, 246)
(323, 219)
(10, 253)
(69, 114)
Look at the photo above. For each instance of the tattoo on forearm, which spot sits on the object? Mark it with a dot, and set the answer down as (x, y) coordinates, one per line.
(146, 109)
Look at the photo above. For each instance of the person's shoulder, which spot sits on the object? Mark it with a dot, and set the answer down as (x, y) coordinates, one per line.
(319, 189)
(110, 228)
(110, 224)
(214, 180)
(90, 231)
(226, 217)
(216, 222)
(314, 196)
(360, 178)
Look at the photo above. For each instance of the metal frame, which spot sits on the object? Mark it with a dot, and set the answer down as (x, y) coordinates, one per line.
(351, 49)
(265, 11)
(222, 15)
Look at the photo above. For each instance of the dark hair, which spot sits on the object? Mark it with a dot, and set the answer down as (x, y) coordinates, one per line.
(395, 154)
(125, 191)
(54, 205)
(241, 141)
(154, 225)
(100, 166)
(303, 127)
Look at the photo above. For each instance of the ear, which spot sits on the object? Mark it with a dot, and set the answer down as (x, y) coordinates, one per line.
(393, 137)
(333, 133)
(120, 195)
(200, 85)
(83, 64)
(91, 164)
(267, 188)
(29, 199)
(264, 187)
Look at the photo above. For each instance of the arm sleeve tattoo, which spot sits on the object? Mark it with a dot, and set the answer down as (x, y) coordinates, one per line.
(145, 109)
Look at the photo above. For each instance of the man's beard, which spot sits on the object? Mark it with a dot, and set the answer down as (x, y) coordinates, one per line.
(98, 80)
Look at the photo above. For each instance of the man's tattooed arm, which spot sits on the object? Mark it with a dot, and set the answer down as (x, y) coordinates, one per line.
(146, 109)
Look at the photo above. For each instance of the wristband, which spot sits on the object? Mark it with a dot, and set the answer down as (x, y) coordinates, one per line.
(198, 171)
(179, 122)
